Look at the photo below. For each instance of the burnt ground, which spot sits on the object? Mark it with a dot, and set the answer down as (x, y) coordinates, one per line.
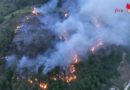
(31, 39)
(16, 19)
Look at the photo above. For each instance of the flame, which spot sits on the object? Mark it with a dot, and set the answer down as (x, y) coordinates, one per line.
(72, 69)
(62, 78)
(99, 44)
(76, 59)
(30, 81)
(96, 21)
(70, 75)
(66, 15)
(65, 77)
(43, 85)
(92, 49)
(64, 36)
(34, 12)
(17, 28)
(54, 78)
(70, 78)
(36, 79)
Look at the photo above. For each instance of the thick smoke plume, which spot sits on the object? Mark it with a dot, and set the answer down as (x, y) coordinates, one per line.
(87, 23)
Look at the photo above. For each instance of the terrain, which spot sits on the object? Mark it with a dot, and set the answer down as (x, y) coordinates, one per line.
(106, 68)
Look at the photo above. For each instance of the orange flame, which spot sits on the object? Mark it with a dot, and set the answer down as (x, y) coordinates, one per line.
(72, 69)
(34, 12)
(97, 45)
(30, 81)
(36, 79)
(17, 28)
(92, 49)
(75, 59)
(96, 21)
(70, 78)
(66, 15)
(43, 85)
(54, 78)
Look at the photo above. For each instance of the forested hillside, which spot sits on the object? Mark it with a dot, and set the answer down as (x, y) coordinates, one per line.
(103, 69)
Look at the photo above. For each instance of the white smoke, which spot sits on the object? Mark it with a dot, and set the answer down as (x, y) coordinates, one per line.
(83, 34)
(48, 8)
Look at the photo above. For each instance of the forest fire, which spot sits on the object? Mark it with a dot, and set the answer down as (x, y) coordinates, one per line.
(53, 44)
(92, 49)
(99, 44)
(34, 12)
(30, 81)
(72, 67)
(96, 22)
(70, 78)
(43, 85)
(17, 28)
(75, 59)
(36, 79)
(64, 36)
(54, 78)
(66, 15)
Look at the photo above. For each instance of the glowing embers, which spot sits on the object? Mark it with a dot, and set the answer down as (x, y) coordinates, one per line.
(34, 12)
(96, 22)
(72, 76)
(92, 49)
(17, 28)
(43, 85)
(36, 80)
(69, 76)
(64, 36)
(30, 81)
(54, 78)
(66, 15)
(76, 59)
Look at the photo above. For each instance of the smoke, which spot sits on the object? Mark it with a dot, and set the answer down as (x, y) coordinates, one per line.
(49, 7)
(88, 22)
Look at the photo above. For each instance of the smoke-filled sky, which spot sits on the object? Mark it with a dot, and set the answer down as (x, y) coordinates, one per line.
(88, 22)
